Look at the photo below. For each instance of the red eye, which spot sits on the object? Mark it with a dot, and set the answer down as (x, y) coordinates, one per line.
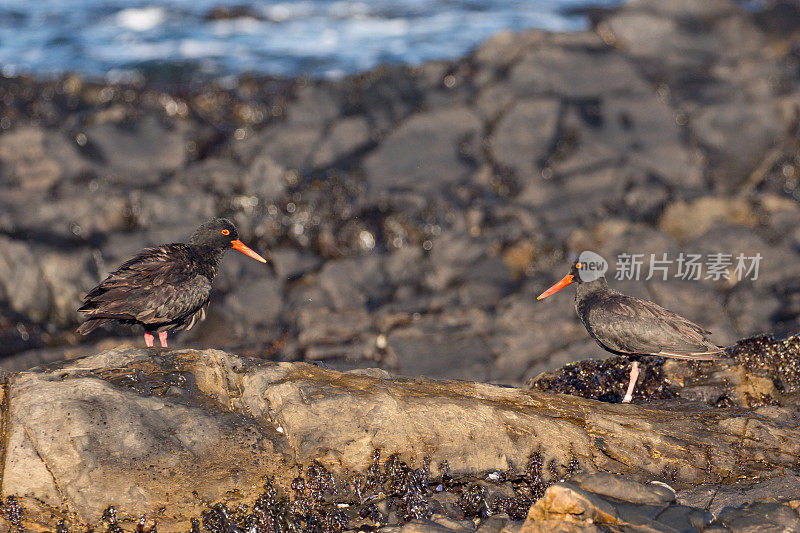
(226, 232)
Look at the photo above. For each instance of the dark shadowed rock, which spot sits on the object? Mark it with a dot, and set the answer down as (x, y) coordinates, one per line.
(503, 50)
(18, 334)
(737, 135)
(288, 144)
(25, 162)
(422, 154)
(580, 66)
(522, 139)
(21, 280)
(446, 346)
(213, 175)
(678, 35)
(314, 105)
(67, 275)
(233, 12)
(353, 283)
(587, 503)
(343, 138)
(291, 263)
(69, 218)
(676, 43)
(760, 516)
(145, 148)
(165, 211)
(256, 302)
(437, 524)
(736, 495)
(323, 326)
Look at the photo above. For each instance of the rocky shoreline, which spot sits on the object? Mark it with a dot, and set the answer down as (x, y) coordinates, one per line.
(165, 438)
(414, 214)
(455, 191)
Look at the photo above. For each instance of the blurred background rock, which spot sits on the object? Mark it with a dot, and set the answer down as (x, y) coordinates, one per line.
(415, 211)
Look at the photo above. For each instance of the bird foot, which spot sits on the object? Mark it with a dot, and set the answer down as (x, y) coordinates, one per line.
(632, 383)
(162, 337)
(148, 340)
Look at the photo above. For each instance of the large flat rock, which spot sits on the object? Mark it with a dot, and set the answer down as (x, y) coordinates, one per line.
(161, 434)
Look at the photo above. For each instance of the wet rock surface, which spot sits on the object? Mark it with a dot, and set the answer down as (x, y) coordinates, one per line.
(415, 213)
(600, 502)
(162, 438)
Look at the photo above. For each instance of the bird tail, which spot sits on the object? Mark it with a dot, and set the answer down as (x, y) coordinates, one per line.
(91, 324)
(710, 355)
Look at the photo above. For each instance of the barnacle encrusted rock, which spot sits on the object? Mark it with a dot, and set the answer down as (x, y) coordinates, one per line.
(162, 434)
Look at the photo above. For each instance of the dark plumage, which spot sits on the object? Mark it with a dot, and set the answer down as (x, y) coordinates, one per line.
(164, 288)
(630, 326)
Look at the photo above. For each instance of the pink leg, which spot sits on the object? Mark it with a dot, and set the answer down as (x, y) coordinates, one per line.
(162, 336)
(148, 339)
(634, 376)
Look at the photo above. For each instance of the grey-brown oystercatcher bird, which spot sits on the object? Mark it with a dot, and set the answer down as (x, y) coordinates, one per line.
(632, 327)
(164, 288)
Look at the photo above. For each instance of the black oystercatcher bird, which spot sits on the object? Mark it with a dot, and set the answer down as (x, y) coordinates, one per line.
(629, 326)
(164, 288)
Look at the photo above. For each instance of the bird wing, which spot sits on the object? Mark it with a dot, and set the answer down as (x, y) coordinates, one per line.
(631, 325)
(156, 286)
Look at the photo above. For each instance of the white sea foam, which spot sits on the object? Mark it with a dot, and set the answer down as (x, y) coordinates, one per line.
(196, 49)
(324, 38)
(238, 26)
(284, 11)
(142, 19)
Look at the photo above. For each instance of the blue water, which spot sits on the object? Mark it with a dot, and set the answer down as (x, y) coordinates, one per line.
(116, 39)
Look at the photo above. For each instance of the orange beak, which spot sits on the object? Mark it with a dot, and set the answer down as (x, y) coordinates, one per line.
(239, 245)
(566, 280)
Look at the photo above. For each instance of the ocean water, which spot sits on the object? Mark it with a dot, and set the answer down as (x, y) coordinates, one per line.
(118, 39)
